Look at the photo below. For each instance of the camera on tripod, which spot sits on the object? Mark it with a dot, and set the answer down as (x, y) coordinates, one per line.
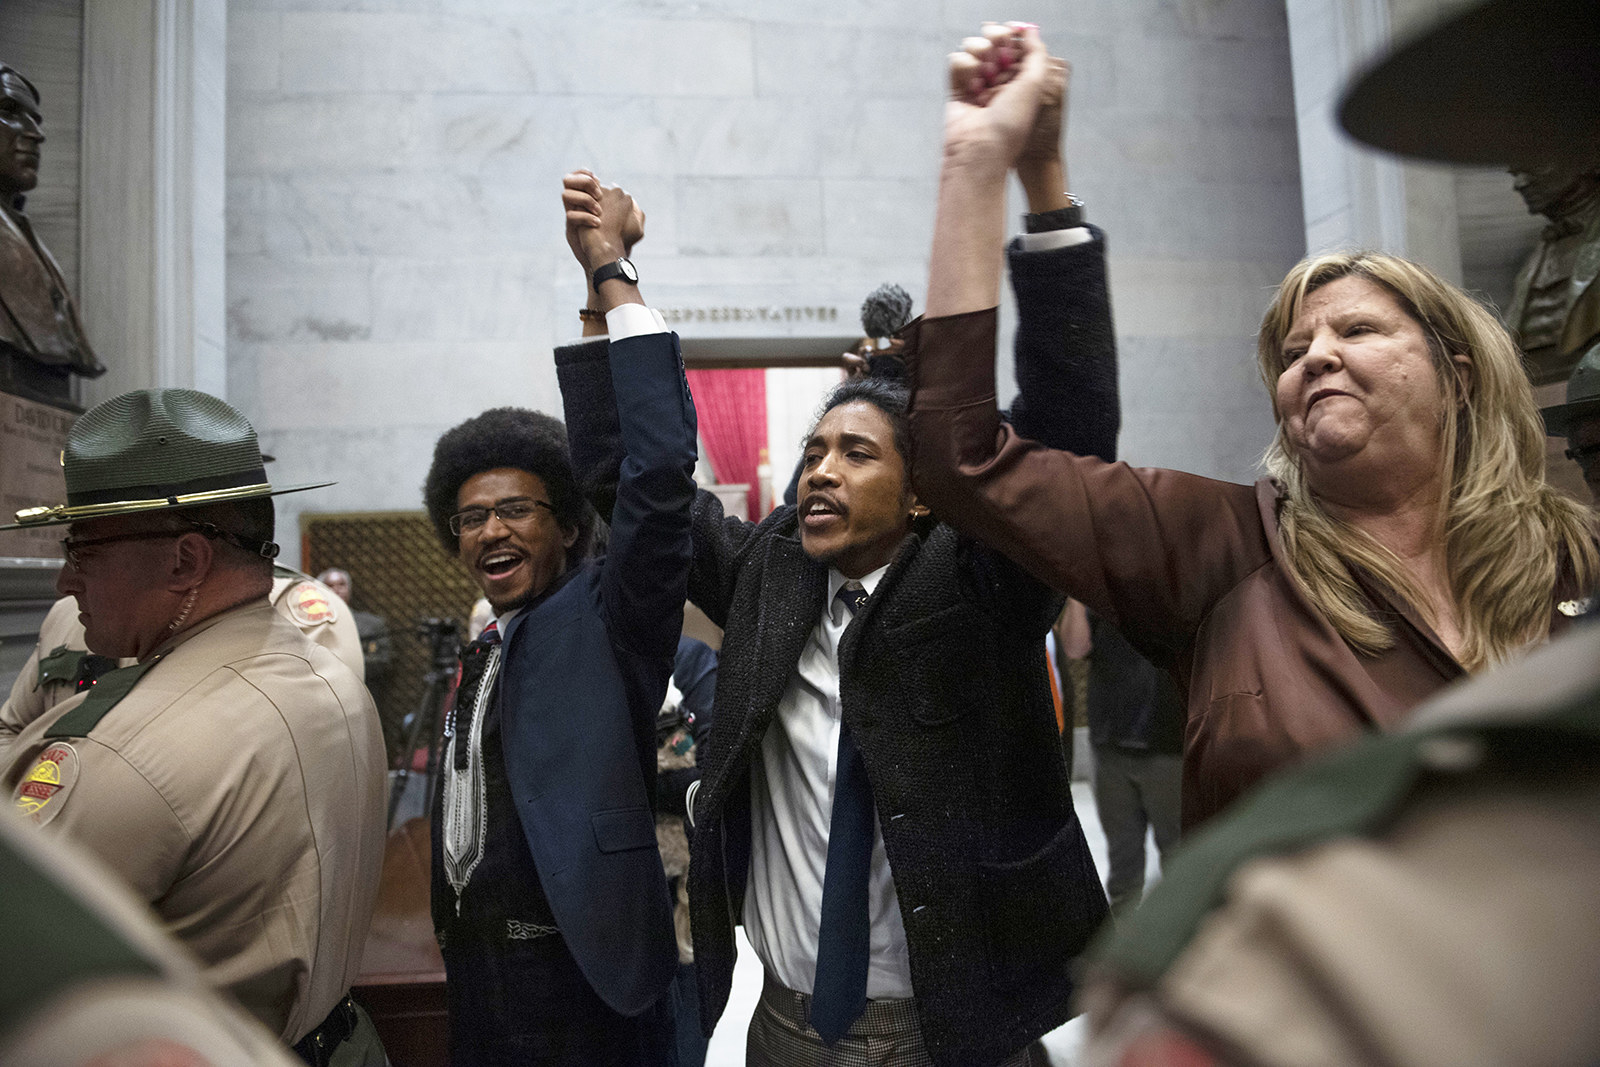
(444, 641)
(421, 727)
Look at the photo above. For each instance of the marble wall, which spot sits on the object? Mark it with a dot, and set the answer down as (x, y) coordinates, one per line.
(1465, 222)
(395, 261)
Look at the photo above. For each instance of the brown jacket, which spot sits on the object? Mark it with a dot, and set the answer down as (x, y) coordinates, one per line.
(1191, 570)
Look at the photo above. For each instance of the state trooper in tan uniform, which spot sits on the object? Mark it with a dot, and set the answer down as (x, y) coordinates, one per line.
(62, 665)
(234, 775)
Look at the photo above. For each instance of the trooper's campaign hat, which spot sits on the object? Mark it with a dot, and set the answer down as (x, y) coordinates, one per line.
(1505, 82)
(1583, 396)
(154, 450)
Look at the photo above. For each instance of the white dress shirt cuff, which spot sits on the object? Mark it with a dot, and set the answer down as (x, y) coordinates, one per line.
(633, 320)
(1052, 239)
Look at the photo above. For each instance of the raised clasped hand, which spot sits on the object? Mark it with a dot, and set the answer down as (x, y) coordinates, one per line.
(998, 83)
(603, 222)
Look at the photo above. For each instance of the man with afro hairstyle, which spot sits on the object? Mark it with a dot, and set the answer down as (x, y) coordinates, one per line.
(549, 900)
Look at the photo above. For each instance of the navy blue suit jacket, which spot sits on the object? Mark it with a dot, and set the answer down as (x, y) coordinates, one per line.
(585, 671)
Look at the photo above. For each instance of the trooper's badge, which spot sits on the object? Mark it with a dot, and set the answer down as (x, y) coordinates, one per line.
(40, 795)
(308, 605)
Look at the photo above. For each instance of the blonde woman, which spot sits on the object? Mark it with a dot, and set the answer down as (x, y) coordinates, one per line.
(1406, 536)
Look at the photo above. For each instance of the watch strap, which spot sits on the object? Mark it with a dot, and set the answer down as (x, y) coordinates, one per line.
(614, 269)
(1062, 218)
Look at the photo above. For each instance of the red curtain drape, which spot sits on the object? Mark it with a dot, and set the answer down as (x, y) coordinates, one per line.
(732, 408)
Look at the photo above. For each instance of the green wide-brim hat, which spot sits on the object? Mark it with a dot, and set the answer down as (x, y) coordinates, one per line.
(1583, 395)
(1511, 82)
(154, 450)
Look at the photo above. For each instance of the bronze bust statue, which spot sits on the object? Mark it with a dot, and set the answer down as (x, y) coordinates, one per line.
(1555, 309)
(42, 342)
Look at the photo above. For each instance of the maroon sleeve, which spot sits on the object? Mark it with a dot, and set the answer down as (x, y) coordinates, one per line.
(1150, 550)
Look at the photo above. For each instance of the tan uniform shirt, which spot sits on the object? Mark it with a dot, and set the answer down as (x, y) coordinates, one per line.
(239, 788)
(321, 616)
(1464, 933)
(306, 602)
(119, 983)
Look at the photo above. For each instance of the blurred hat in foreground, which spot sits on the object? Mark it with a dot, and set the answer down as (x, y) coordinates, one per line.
(1504, 82)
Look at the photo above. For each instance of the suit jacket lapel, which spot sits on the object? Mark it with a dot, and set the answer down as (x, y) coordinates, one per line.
(904, 557)
(793, 588)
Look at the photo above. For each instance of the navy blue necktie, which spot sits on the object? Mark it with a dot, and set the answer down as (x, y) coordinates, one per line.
(839, 990)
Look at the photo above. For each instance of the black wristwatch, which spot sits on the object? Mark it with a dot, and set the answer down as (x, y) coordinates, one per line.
(617, 268)
(1062, 218)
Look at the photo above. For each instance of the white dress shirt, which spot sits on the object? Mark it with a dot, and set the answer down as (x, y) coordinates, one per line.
(791, 792)
(1049, 240)
(633, 320)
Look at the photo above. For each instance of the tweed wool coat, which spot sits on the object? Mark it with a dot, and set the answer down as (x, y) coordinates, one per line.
(943, 681)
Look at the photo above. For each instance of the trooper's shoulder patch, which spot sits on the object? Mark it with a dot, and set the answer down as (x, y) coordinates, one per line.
(309, 605)
(44, 789)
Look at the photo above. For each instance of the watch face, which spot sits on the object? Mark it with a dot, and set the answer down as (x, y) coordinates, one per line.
(626, 267)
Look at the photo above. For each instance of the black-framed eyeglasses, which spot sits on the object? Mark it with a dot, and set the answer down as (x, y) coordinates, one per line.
(1580, 454)
(71, 546)
(513, 511)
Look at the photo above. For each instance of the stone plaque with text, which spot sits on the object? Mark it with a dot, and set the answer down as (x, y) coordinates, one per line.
(32, 436)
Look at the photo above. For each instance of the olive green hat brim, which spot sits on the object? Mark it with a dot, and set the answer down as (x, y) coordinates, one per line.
(1508, 82)
(62, 514)
(1559, 418)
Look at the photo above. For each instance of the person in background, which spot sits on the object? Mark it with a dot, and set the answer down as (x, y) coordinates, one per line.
(684, 723)
(1136, 731)
(1578, 420)
(478, 620)
(1406, 538)
(877, 355)
(377, 650)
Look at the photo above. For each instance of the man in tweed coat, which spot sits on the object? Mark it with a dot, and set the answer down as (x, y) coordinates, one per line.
(981, 887)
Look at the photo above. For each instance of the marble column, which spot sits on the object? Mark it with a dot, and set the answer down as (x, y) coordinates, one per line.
(152, 234)
(1355, 197)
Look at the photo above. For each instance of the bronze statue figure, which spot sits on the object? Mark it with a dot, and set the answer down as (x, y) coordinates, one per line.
(42, 342)
(1555, 310)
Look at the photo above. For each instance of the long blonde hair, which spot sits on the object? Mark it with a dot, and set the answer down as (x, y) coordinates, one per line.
(1506, 531)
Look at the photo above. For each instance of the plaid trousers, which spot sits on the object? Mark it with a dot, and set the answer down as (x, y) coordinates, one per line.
(886, 1035)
